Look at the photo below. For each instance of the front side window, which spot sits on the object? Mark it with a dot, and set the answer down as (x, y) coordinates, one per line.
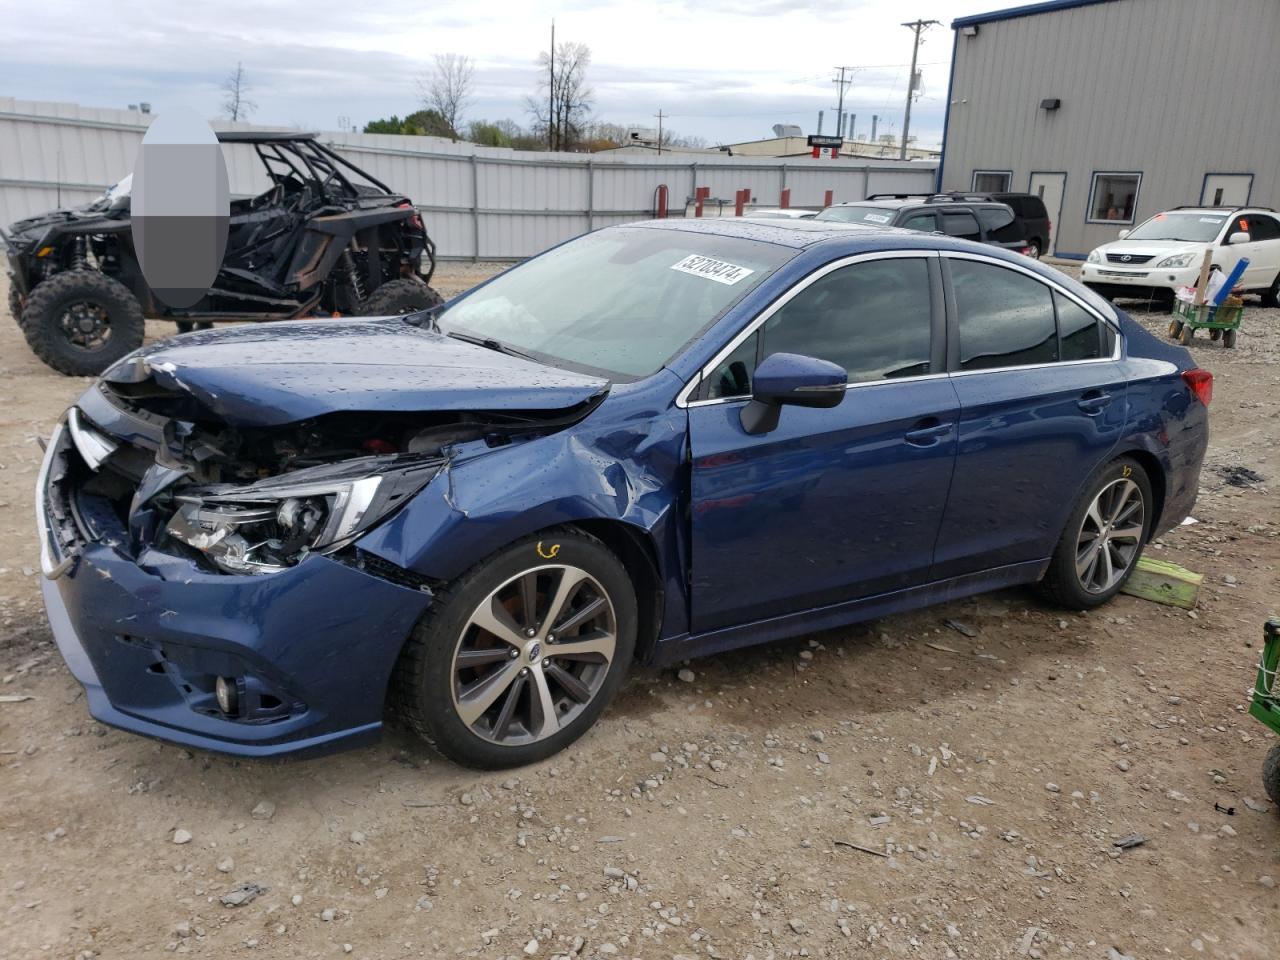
(1006, 319)
(921, 221)
(1114, 197)
(622, 301)
(961, 224)
(873, 318)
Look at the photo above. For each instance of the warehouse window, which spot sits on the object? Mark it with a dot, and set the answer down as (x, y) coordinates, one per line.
(991, 181)
(1114, 197)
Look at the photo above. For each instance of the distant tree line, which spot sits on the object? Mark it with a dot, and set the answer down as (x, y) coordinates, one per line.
(560, 111)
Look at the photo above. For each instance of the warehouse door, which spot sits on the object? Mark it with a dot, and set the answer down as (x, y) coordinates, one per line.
(1049, 188)
(1226, 189)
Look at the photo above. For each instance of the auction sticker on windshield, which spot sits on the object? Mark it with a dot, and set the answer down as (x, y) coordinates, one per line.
(876, 217)
(717, 270)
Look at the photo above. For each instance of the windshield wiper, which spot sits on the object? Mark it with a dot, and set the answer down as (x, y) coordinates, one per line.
(489, 343)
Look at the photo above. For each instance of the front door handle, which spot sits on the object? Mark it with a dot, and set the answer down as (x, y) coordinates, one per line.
(929, 433)
(1094, 402)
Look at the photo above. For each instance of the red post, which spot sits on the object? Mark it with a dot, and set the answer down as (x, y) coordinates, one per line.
(700, 194)
(661, 211)
(739, 201)
(785, 200)
(828, 197)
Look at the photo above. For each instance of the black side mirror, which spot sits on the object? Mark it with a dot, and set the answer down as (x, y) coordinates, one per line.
(789, 378)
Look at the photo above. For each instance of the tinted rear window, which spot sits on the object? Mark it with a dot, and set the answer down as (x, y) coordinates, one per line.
(1024, 204)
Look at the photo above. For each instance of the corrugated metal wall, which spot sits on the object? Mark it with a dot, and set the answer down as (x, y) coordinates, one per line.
(478, 202)
(1175, 89)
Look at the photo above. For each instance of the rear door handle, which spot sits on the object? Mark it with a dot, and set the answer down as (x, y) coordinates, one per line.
(928, 435)
(1094, 402)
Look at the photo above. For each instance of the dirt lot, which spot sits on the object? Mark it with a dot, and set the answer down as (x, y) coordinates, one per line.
(986, 778)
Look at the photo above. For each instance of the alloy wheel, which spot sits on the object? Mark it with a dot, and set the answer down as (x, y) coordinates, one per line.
(86, 325)
(1110, 535)
(533, 654)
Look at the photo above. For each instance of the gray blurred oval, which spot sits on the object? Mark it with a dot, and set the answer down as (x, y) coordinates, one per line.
(181, 207)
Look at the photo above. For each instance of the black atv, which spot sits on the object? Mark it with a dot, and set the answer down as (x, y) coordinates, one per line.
(323, 239)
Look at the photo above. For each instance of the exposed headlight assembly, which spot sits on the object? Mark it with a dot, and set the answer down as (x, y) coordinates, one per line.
(1094, 257)
(1177, 260)
(274, 524)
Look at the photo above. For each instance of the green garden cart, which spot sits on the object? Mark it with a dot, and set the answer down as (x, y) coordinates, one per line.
(1266, 703)
(1221, 321)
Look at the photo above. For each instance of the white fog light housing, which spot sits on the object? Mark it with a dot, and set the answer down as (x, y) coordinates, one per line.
(274, 524)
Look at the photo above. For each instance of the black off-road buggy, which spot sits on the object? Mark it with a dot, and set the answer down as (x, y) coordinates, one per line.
(324, 239)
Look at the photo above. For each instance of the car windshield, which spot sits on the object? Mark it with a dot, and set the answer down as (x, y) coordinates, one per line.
(878, 216)
(1191, 227)
(623, 301)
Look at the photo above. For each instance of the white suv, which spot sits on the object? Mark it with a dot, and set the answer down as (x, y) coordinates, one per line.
(1164, 253)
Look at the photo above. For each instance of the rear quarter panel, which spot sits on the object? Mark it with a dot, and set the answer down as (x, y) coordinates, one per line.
(1166, 422)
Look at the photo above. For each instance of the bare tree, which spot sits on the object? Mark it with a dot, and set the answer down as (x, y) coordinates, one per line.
(235, 102)
(447, 88)
(562, 106)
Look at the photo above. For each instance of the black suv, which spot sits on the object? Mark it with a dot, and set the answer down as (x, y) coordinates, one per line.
(1028, 208)
(983, 221)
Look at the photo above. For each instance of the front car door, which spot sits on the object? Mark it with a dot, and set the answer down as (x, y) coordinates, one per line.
(833, 504)
(1042, 404)
(1263, 249)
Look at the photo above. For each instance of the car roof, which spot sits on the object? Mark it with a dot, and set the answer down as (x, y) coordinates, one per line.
(898, 203)
(797, 234)
(263, 136)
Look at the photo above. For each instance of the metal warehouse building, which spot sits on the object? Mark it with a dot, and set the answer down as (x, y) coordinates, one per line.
(1113, 110)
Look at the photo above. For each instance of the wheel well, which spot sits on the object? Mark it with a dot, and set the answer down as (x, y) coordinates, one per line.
(1155, 474)
(637, 553)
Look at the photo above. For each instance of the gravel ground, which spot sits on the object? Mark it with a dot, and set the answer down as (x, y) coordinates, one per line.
(894, 789)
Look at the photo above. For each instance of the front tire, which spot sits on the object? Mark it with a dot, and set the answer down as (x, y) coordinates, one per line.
(1103, 538)
(1271, 775)
(518, 657)
(408, 295)
(80, 322)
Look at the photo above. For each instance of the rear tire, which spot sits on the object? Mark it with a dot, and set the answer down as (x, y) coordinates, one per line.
(80, 322)
(1271, 775)
(408, 295)
(1103, 539)
(495, 697)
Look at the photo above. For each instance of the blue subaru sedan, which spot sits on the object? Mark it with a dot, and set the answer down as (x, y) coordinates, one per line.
(653, 442)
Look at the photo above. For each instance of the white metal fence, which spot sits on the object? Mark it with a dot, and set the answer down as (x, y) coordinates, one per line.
(478, 202)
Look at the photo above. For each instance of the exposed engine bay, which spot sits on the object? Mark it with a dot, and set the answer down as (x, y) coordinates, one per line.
(255, 500)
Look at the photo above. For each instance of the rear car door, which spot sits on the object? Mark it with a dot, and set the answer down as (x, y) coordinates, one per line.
(833, 504)
(1042, 404)
(1263, 250)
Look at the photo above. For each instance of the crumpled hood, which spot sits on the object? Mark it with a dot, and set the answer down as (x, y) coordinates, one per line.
(263, 375)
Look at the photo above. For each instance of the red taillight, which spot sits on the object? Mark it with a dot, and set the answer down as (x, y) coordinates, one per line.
(1201, 384)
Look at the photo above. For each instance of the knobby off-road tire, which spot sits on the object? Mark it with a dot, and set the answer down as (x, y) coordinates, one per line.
(61, 308)
(517, 657)
(1104, 519)
(407, 295)
(15, 305)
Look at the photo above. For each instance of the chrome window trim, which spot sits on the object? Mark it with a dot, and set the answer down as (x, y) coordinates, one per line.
(683, 401)
(682, 398)
(1052, 285)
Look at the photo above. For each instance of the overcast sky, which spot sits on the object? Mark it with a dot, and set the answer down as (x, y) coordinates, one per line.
(726, 71)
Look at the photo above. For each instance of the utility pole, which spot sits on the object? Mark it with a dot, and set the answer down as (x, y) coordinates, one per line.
(917, 27)
(841, 83)
(551, 90)
(659, 115)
